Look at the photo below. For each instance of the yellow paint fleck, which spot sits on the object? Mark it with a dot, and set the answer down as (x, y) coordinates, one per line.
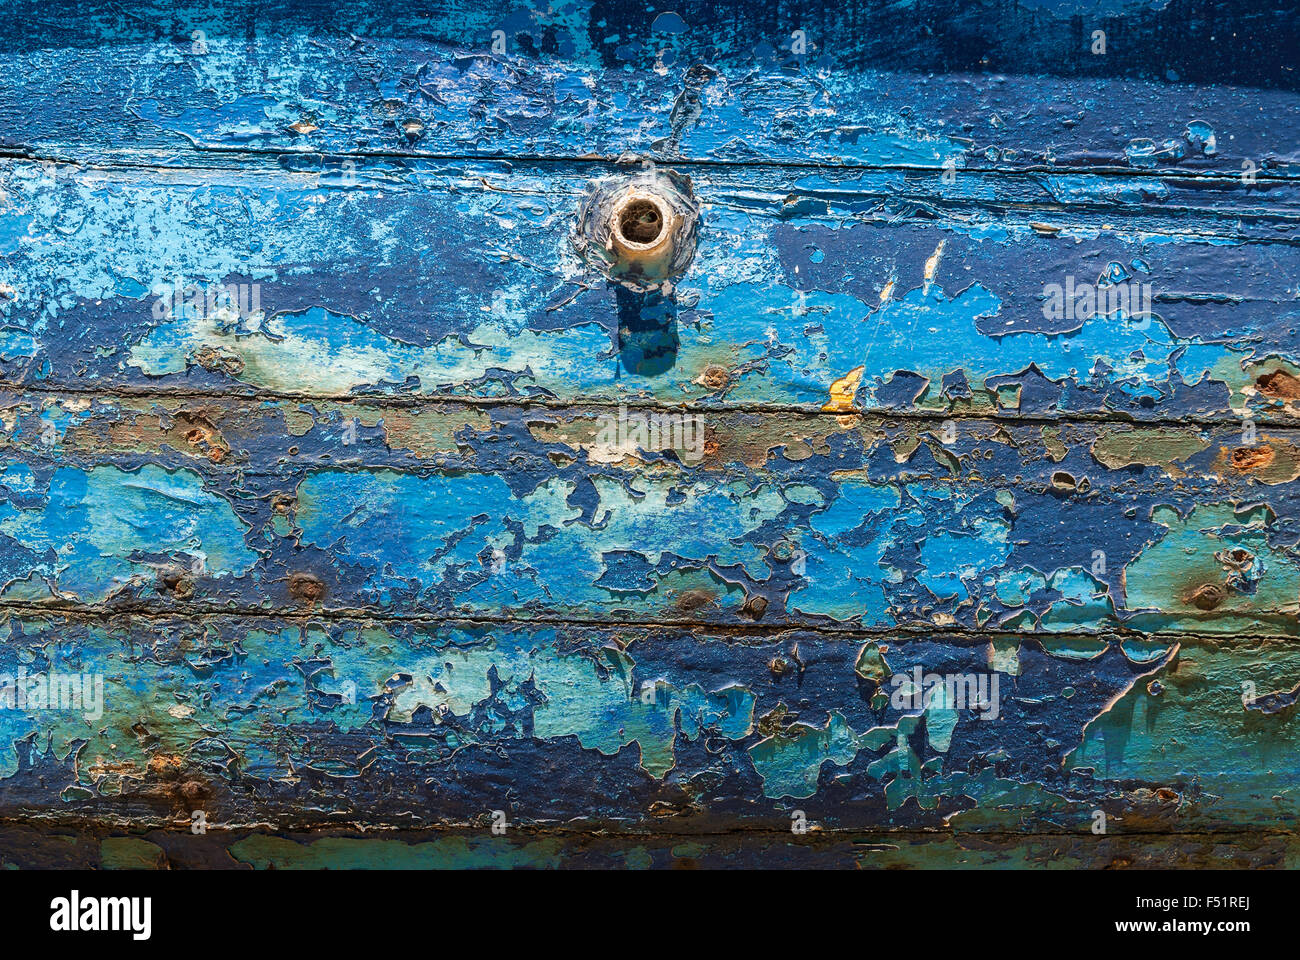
(842, 391)
(932, 265)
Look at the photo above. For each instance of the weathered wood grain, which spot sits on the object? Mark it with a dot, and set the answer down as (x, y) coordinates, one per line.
(815, 291)
(91, 846)
(381, 546)
(616, 515)
(980, 85)
(309, 722)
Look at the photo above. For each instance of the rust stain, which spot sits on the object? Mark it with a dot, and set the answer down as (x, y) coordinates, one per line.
(219, 360)
(174, 580)
(716, 376)
(306, 588)
(1206, 597)
(1252, 458)
(694, 599)
(1280, 385)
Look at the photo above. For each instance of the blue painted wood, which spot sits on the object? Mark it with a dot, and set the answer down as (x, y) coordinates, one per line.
(985, 85)
(613, 515)
(824, 291)
(918, 558)
(254, 718)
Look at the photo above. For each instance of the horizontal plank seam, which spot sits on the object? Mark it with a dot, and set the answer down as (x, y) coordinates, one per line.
(399, 401)
(422, 467)
(631, 159)
(822, 834)
(347, 614)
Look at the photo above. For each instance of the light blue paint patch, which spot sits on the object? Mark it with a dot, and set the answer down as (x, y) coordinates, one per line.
(1085, 602)
(15, 344)
(1084, 189)
(950, 557)
(97, 523)
(18, 478)
(856, 503)
(916, 332)
(403, 527)
(844, 577)
(355, 516)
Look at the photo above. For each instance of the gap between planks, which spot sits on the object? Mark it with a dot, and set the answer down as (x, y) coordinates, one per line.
(192, 612)
(627, 160)
(604, 831)
(255, 394)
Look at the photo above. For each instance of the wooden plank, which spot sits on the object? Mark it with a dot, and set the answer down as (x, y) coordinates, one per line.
(980, 85)
(627, 515)
(853, 524)
(306, 722)
(92, 846)
(847, 292)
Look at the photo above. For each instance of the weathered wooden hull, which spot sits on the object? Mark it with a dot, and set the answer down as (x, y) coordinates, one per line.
(437, 547)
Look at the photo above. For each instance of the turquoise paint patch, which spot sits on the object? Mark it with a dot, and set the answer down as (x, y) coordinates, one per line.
(405, 527)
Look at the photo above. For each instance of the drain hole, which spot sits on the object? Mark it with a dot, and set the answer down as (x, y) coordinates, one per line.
(641, 222)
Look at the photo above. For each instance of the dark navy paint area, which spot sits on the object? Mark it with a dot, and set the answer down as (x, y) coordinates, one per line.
(1199, 41)
(972, 86)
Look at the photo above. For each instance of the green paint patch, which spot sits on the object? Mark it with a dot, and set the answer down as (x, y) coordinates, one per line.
(265, 852)
(790, 759)
(1193, 732)
(1214, 570)
(1118, 447)
(130, 853)
(604, 704)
